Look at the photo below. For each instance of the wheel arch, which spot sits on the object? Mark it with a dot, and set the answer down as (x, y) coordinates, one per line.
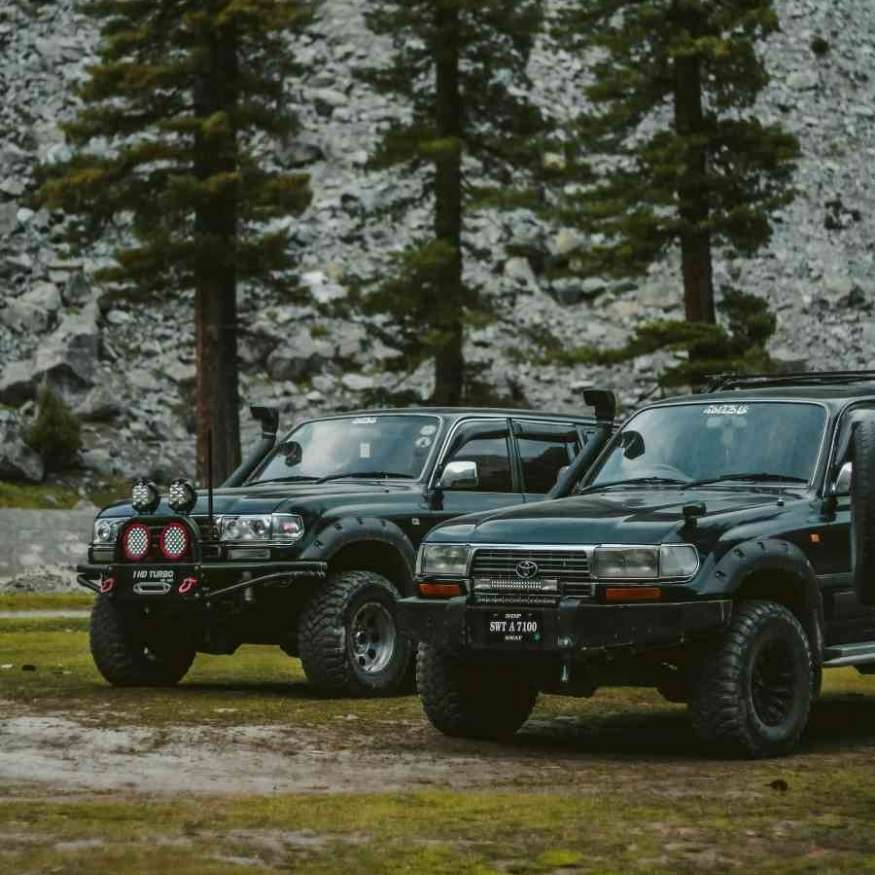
(778, 571)
(367, 544)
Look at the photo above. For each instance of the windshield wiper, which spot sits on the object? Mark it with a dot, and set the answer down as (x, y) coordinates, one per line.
(638, 480)
(752, 477)
(376, 475)
(298, 479)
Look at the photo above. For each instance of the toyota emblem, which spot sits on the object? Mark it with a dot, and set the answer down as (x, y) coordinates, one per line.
(526, 569)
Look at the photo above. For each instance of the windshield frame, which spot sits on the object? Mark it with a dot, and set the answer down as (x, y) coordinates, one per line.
(440, 421)
(586, 481)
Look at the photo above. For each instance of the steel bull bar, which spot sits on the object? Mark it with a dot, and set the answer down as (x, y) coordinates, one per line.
(89, 575)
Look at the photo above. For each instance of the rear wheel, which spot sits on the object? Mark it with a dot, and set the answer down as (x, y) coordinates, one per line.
(127, 658)
(349, 640)
(753, 690)
(472, 701)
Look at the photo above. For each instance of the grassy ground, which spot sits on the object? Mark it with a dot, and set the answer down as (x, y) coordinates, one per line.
(46, 601)
(48, 496)
(634, 795)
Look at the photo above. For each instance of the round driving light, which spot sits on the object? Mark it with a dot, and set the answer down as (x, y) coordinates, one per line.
(136, 541)
(181, 496)
(145, 497)
(174, 541)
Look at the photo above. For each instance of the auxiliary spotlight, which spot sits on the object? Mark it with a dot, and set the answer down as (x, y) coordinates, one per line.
(145, 497)
(182, 497)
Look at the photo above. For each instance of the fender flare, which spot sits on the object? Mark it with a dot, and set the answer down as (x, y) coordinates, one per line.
(772, 554)
(341, 533)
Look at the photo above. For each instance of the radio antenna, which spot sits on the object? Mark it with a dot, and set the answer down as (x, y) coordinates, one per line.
(210, 480)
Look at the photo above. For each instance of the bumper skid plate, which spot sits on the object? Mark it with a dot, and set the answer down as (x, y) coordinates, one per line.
(572, 627)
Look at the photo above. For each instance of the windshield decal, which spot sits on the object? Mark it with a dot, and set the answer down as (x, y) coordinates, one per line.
(365, 420)
(365, 451)
(727, 409)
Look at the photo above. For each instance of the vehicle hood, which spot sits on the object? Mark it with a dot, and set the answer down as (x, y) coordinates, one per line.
(279, 497)
(618, 516)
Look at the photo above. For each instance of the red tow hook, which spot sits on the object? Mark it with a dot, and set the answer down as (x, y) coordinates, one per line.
(107, 585)
(187, 585)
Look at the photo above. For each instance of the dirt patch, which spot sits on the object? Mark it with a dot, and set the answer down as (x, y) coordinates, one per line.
(234, 760)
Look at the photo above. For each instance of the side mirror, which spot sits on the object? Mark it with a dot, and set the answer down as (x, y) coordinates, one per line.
(460, 475)
(632, 444)
(842, 485)
(293, 453)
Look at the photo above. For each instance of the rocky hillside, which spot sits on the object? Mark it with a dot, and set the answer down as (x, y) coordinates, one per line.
(127, 370)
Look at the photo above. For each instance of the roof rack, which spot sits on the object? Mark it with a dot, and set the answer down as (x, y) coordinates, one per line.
(724, 382)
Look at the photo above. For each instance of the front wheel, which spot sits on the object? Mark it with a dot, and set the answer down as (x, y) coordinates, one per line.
(349, 640)
(127, 658)
(753, 690)
(472, 701)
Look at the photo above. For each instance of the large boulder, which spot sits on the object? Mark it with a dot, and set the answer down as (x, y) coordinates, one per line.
(17, 460)
(17, 383)
(35, 311)
(299, 359)
(68, 357)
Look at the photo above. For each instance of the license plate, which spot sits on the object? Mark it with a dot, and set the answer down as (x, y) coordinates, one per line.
(514, 627)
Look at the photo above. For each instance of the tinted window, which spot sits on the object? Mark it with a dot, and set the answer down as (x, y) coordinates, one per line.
(709, 441)
(542, 458)
(355, 446)
(493, 462)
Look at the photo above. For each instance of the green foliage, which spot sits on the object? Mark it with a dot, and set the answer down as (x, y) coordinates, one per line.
(56, 434)
(472, 139)
(169, 138)
(703, 349)
(674, 91)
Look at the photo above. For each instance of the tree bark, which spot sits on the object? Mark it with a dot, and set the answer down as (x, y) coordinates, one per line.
(449, 308)
(695, 237)
(215, 264)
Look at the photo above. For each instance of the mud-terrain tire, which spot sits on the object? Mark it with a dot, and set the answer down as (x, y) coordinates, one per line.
(752, 692)
(465, 700)
(349, 640)
(863, 511)
(126, 661)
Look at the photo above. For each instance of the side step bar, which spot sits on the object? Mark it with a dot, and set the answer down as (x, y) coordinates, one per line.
(849, 654)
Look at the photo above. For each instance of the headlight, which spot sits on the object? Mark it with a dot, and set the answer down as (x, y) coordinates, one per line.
(444, 559)
(268, 528)
(106, 531)
(668, 562)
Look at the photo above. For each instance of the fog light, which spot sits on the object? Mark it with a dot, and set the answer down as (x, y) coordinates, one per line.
(136, 541)
(181, 496)
(145, 497)
(174, 541)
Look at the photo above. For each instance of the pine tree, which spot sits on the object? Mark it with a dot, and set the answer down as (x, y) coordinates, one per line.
(172, 137)
(459, 66)
(690, 164)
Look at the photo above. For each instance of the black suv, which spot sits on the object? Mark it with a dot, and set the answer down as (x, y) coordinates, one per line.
(310, 542)
(721, 548)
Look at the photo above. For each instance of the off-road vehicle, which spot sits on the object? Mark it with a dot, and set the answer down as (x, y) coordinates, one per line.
(310, 542)
(721, 548)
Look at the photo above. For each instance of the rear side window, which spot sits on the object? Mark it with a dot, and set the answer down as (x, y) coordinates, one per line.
(544, 451)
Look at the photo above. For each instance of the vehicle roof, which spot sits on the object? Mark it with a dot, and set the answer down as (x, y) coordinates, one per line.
(461, 412)
(835, 396)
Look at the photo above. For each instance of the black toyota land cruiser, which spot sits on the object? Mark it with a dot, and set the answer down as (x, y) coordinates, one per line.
(720, 549)
(310, 542)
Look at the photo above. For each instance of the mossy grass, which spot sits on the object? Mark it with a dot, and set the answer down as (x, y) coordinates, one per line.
(46, 601)
(40, 496)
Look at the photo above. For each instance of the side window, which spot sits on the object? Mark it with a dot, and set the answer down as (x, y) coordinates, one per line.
(544, 451)
(489, 450)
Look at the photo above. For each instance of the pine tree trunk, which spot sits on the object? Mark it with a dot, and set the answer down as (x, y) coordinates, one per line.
(694, 211)
(215, 266)
(449, 308)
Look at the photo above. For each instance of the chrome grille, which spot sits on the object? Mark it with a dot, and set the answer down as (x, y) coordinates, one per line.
(496, 568)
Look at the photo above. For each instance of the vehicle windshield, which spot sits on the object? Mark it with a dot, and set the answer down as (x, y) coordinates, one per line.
(362, 446)
(705, 443)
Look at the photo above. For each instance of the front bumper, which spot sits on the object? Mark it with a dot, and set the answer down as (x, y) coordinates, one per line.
(573, 628)
(215, 580)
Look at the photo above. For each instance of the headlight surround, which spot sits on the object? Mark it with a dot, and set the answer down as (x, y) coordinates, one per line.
(263, 528)
(444, 560)
(106, 530)
(666, 562)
